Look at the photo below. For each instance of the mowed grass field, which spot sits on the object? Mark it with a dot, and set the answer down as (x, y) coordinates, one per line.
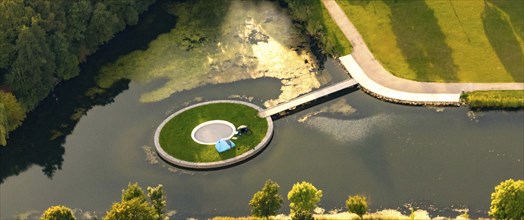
(444, 41)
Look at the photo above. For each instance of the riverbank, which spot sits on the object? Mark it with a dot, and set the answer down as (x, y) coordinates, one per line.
(39, 54)
(452, 42)
(382, 214)
(503, 99)
(98, 143)
(313, 18)
(374, 77)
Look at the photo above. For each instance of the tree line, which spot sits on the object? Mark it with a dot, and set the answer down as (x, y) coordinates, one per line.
(135, 204)
(507, 202)
(42, 43)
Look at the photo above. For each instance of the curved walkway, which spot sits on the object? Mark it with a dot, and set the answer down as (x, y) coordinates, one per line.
(371, 75)
(218, 164)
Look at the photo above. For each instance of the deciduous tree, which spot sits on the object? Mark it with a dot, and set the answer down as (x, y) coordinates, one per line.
(30, 77)
(133, 191)
(158, 201)
(58, 213)
(130, 209)
(266, 202)
(14, 111)
(11, 115)
(304, 197)
(357, 204)
(507, 202)
(135, 205)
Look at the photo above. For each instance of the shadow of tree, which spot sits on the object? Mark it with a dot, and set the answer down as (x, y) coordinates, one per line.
(363, 3)
(515, 11)
(502, 38)
(375, 159)
(39, 141)
(421, 41)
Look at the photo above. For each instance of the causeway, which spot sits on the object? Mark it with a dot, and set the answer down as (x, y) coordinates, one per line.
(308, 97)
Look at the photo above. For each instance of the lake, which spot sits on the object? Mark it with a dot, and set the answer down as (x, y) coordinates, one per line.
(86, 142)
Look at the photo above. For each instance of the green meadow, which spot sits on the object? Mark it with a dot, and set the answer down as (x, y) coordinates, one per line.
(444, 41)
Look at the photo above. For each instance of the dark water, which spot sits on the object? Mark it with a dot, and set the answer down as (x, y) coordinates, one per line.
(80, 150)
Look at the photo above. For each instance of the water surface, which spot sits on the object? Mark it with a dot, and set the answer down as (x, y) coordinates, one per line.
(91, 141)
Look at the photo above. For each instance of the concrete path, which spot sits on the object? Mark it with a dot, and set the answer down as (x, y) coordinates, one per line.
(371, 75)
(398, 95)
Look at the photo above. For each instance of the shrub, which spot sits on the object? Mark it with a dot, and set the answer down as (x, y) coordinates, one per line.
(135, 204)
(302, 215)
(507, 202)
(357, 204)
(495, 99)
(58, 213)
(304, 197)
(267, 201)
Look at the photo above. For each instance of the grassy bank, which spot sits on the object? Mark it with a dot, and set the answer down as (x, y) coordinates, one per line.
(175, 137)
(382, 214)
(317, 22)
(495, 99)
(444, 41)
(441, 41)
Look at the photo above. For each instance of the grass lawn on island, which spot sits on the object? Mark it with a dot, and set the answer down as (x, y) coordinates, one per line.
(444, 41)
(175, 136)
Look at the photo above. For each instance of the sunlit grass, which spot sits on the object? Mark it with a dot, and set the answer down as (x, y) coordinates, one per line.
(444, 41)
(175, 136)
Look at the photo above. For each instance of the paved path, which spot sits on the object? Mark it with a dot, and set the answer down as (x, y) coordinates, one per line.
(371, 75)
(308, 97)
(210, 132)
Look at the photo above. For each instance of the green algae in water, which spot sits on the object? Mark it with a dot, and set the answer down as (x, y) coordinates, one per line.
(220, 42)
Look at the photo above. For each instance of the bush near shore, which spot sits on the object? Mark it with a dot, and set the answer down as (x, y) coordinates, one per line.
(507, 99)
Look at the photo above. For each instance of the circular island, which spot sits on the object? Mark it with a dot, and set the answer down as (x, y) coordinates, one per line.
(187, 138)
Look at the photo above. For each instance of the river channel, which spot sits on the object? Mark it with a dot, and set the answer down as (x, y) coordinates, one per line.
(89, 139)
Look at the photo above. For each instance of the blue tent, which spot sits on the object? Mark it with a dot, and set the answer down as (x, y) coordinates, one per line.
(223, 145)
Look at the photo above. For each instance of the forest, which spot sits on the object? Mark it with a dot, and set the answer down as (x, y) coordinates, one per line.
(42, 43)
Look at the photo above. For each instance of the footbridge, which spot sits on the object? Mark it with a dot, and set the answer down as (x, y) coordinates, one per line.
(307, 98)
